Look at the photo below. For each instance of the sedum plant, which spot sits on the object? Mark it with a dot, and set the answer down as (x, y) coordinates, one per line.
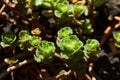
(58, 13)
(64, 32)
(69, 45)
(72, 49)
(44, 52)
(91, 47)
(25, 39)
(7, 39)
(33, 42)
(24, 36)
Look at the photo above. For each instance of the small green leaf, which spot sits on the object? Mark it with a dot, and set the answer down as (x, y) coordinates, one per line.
(44, 52)
(61, 72)
(39, 58)
(65, 55)
(46, 48)
(11, 61)
(61, 8)
(36, 2)
(48, 3)
(91, 45)
(58, 13)
(4, 45)
(8, 37)
(70, 44)
(34, 40)
(88, 27)
(24, 36)
(79, 9)
(64, 32)
(117, 44)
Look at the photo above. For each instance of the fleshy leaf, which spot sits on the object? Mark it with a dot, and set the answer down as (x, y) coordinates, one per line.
(34, 40)
(39, 58)
(36, 31)
(61, 8)
(70, 44)
(79, 9)
(91, 45)
(36, 2)
(46, 48)
(64, 55)
(24, 36)
(4, 45)
(8, 37)
(117, 44)
(64, 32)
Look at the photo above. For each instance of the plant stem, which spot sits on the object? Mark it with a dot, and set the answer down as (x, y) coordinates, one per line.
(2, 9)
(16, 66)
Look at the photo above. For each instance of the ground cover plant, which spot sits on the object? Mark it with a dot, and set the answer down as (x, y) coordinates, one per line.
(59, 40)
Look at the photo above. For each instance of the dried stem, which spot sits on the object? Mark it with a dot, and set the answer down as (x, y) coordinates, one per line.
(12, 7)
(19, 56)
(16, 66)
(2, 9)
(109, 30)
(64, 75)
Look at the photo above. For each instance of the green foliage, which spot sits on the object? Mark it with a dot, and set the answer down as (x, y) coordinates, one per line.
(71, 49)
(44, 51)
(27, 41)
(91, 47)
(70, 44)
(24, 36)
(33, 42)
(36, 2)
(64, 32)
(116, 36)
(7, 38)
(58, 13)
(61, 9)
(79, 9)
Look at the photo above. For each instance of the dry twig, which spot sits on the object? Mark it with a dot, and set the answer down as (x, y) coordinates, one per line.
(16, 66)
(109, 30)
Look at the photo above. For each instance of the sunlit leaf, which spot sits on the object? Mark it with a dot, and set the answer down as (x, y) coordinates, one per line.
(61, 8)
(46, 48)
(65, 55)
(92, 45)
(34, 40)
(117, 44)
(64, 32)
(24, 36)
(4, 45)
(79, 9)
(36, 2)
(39, 58)
(70, 44)
(11, 61)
